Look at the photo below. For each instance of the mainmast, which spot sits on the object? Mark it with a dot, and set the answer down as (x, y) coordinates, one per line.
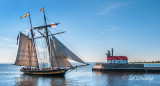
(46, 30)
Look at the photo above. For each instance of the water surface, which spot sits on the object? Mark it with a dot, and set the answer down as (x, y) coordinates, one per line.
(83, 76)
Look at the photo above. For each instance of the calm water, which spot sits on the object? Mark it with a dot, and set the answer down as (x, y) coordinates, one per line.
(83, 76)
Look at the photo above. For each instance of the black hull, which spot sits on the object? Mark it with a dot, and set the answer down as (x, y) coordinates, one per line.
(50, 72)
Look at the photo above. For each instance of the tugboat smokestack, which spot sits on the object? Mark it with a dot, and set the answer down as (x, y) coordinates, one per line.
(112, 51)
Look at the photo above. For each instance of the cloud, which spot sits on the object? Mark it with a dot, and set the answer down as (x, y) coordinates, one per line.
(113, 28)
(27, 30)
(110, 7)
(7, 39)
(13, 45)
(110, 29)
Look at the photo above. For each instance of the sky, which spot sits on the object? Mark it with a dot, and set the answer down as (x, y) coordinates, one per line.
(92, 27)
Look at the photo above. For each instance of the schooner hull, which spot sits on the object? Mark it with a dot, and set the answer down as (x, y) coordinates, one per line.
(60, 72)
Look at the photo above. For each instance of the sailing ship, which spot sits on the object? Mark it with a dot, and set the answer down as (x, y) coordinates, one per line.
(58, 52)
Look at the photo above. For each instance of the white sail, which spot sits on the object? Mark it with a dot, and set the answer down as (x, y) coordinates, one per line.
(57, 60)
(62, 50)
(26, 52)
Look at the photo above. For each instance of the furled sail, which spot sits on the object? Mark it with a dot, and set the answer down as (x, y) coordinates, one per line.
(62, 50)
(26, 55)
(57, 60)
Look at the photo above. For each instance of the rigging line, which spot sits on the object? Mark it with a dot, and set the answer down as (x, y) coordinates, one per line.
(81, 57)
(76, 67)
(49, 20)
(68, 44)
(71, 47)
(39, 22)
(28, 27)
(37, 51)
(69, 71)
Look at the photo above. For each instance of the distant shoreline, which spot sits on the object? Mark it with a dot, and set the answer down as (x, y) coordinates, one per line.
(155, 62)
(144, 62)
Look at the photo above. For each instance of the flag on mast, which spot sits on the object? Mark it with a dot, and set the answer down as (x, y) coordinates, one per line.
(42, 9)
(25, 15)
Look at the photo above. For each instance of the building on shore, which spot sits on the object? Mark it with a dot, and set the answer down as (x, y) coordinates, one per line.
(120, 64)
(116, 59)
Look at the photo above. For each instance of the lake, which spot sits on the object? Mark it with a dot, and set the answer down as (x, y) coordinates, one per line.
(82, 76)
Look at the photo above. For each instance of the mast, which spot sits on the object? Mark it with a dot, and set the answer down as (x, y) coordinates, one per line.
(46, 30)
(31, 28)
(32, 34)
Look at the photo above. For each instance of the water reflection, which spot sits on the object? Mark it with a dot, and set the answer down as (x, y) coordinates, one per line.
(26, 80)
(127, 78)
(113, 78)
(94, 78)
(40, 80)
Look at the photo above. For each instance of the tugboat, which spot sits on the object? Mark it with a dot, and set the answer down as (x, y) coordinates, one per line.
(58, 53)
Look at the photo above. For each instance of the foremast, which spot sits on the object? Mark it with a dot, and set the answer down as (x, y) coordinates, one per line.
(32, 35)
(26, 55)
